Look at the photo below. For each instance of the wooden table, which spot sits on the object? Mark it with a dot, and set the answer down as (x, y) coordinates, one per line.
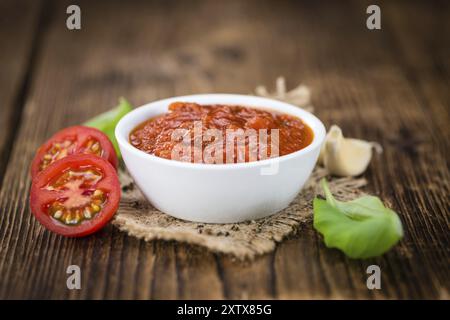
(389, 85)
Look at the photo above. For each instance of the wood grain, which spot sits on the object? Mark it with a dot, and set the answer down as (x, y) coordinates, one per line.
(20, 32)
(389, 86)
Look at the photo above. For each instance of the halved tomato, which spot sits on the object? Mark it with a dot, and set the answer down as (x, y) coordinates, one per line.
(76, 196)
(73, 140)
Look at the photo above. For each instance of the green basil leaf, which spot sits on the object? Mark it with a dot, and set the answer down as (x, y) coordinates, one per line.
(108, 120)
(361, 228)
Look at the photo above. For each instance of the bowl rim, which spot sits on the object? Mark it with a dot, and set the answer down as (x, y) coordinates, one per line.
(318, 130)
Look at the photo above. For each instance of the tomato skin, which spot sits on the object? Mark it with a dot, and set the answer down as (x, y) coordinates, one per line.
(40, 197)
(81, 134)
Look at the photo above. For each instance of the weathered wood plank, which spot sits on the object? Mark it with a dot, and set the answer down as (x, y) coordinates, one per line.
(197, 274)
(20, 31)
(367, 82)
(248, 280)
(362, 87)
(426, 64)
(76, 71)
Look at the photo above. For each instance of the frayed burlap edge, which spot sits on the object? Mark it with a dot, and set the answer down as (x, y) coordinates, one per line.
(242, 240)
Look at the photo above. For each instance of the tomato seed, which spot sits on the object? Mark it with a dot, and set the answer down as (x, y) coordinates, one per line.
(87, 213)
(58, 214)
(95, 147)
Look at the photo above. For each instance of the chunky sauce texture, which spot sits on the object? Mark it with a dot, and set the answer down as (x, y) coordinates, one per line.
(155, 135)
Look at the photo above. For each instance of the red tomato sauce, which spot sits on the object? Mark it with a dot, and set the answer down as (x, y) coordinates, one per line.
(155, 135)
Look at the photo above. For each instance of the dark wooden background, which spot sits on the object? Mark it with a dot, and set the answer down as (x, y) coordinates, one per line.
(390, 86)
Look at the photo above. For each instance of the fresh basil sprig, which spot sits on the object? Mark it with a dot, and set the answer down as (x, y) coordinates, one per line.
(108, 120)
(361, 228)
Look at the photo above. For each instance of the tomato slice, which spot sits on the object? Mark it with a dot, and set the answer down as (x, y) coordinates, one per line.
(76, 196)
(72, 140)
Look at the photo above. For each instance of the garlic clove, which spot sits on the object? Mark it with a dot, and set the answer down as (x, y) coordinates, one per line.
(345, 156)
(299, 96)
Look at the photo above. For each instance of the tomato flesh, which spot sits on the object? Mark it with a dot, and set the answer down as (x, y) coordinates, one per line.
(57, 151)
(80, 199)
(76, 195)
(73, 140)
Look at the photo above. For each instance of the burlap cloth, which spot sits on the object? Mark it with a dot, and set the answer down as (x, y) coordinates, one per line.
(245, 240)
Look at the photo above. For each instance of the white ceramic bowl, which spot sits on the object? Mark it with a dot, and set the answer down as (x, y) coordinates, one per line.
(219, 193)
